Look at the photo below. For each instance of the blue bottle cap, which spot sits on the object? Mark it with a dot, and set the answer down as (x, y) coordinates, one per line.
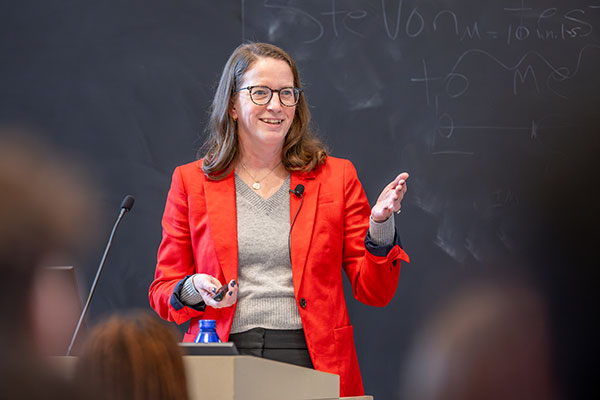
(207, 323)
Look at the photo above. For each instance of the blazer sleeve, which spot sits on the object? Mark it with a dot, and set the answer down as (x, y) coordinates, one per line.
(372, 272)
(175, 259)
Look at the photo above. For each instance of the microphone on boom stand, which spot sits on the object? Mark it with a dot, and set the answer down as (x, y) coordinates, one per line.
(126, 206)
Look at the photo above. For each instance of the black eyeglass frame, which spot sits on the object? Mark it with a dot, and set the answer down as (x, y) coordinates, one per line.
(249, 89)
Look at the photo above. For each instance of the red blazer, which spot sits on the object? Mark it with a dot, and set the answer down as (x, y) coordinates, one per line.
(200, 236)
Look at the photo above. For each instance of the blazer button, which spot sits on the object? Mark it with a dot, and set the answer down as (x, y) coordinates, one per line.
(395, 262)
(303, 302)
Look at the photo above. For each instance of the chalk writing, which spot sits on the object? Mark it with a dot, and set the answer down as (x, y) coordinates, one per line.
(518, 47)
(456, 83)
(401, 21)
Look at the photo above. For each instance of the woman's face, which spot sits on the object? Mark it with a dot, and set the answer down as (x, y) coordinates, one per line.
(267, 125)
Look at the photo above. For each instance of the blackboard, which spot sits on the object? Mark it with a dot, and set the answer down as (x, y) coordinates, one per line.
(484, 103)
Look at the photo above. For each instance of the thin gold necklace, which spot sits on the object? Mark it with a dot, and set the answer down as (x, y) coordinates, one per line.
(256, 184)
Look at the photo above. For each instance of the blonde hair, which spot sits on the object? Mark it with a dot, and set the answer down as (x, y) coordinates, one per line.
(302, 151)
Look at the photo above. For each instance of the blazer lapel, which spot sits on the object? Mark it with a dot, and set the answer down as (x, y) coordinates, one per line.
(221, 208)
(302, 231)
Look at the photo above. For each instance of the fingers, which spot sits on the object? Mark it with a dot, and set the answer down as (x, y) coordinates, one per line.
(401, 186)
(399, 192)
(208, 286)
(398, 182)
(390, 199)
(231, 296)
(401, 178)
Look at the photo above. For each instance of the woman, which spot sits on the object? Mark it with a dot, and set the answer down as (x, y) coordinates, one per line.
(133, 357)
(268, 212)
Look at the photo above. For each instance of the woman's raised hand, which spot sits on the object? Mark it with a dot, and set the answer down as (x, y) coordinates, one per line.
(390, 199)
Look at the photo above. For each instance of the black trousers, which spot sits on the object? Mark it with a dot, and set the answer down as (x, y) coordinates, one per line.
(288, 346)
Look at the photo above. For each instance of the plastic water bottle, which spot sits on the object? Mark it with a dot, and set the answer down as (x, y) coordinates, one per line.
(207, 332)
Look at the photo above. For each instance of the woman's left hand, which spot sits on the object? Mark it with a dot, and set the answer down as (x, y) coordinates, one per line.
(390, 199)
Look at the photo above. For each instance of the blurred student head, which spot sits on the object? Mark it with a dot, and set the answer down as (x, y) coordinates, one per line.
(43, 207)
(135, 356)
(490, 341)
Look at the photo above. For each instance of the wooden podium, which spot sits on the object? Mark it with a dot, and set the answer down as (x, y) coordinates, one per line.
(247, 378)
(253, 378)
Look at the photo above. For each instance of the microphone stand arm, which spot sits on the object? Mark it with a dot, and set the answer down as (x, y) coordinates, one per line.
(95, 283)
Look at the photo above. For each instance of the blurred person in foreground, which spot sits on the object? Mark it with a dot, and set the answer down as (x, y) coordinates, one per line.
(133, 357)
(43, 208)
(489, 341)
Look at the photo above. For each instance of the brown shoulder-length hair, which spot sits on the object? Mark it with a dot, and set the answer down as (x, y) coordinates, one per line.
(133, 357)
(302, 151)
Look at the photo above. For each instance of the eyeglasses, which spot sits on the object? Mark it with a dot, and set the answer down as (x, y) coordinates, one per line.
(261, 95)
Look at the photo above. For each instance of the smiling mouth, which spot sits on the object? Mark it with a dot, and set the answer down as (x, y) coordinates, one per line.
(271, 121)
